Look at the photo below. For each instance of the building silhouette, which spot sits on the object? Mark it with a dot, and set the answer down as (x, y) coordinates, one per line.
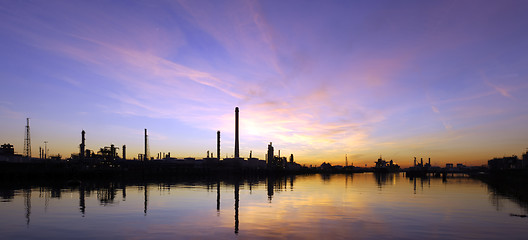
(7, 149)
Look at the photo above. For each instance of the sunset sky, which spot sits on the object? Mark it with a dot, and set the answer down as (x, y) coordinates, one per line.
(320, 79)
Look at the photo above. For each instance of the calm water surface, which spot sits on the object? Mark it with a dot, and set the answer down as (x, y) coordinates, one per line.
(359, 206)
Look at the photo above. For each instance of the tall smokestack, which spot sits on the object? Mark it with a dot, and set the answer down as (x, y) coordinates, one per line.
(236, 133)
(218, 145)
(124, 152)
(145, 157)
(82, 144)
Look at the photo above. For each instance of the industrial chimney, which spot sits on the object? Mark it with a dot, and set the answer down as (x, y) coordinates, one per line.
(145, 157)
(124, 152)
(236, 134)
(81, 154)
(218, 145)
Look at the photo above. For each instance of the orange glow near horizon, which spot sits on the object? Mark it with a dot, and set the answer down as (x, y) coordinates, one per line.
(418, 80)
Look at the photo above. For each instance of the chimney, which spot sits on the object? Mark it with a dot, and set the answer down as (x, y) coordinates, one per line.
(236, 133)
(145, 157)
(82, 144)
(218, 145)
(124, 152)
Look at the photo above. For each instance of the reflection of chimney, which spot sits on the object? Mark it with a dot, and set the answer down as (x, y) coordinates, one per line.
(218, 194)
(236, 133)
(237, 200)
(218, 145)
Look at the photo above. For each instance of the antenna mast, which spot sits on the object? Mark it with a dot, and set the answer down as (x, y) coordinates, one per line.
(27, 142)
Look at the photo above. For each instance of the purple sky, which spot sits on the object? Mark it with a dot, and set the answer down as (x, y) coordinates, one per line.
(319, 79)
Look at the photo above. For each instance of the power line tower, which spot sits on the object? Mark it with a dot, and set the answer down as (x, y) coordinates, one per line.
(27, 141)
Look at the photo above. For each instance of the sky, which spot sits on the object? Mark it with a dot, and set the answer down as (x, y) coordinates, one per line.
(322, 80)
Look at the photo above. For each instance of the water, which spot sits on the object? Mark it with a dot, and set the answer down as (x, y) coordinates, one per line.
(359, 206)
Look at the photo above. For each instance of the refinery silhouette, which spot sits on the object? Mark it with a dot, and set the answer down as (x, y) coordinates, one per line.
(105, 174)
(106, 161)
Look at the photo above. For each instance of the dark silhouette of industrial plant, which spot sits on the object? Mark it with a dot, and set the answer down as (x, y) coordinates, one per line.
(106, 162)
(104, 173)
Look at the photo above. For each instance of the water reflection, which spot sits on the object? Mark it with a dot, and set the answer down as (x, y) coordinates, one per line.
(27, 204)
(123, 191)
(270, 181)
(106, 194)
(384, 178)
(513, 188)
(326, 177)
(145, 197)
(218, 196)
(237, 199)
(324, 206)
(279, 184)
(82, 202)
(7, 194)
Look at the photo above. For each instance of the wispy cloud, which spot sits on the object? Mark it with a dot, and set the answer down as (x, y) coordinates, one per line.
(6, 111)
(322, 81)
(306, 116)
(242, 31)
(503, 91)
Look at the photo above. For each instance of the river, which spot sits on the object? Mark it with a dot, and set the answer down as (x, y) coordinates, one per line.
(338, 206)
